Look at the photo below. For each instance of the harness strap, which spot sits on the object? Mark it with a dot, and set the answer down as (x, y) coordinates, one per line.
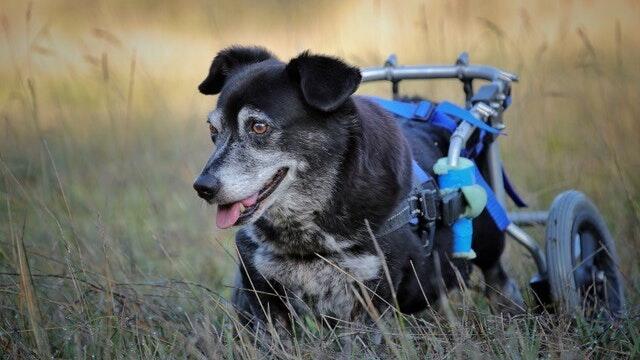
(425, 205)
(495, 209)
(443, 120)
(420, 175)
(442, 116)
(407, 110)
(462, 114)
(419, 208)
(422, 110)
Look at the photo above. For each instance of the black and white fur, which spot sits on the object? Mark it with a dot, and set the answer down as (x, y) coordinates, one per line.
(307, 248)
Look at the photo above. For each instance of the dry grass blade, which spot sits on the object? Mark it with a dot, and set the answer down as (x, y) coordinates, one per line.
(27, 292)
(4, 22)
(107, 36)
(29, 12)
(132, 77)
(492, 26)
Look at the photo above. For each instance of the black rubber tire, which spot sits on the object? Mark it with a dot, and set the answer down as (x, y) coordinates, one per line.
(570, 212)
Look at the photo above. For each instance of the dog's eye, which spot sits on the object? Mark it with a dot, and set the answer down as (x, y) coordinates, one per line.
(259, 127)
(213, 131)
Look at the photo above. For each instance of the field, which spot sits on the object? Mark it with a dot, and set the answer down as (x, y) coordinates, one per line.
(106, 251)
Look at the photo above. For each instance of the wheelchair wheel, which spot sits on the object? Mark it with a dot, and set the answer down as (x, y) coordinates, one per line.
(582, 261)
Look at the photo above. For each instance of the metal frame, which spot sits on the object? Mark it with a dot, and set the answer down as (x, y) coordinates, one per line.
(488, 109)
(392, 72)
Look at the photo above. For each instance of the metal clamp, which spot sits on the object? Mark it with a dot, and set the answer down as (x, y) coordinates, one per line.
(392, 62)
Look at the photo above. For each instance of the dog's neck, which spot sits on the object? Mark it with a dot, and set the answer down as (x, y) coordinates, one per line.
(337, 210)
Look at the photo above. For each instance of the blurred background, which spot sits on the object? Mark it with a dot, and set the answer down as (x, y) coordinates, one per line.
(102, 128)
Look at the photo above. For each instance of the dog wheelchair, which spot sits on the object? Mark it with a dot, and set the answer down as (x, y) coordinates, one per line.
(578, 270)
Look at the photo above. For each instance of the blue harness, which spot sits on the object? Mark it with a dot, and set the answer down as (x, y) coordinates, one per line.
(447, 116)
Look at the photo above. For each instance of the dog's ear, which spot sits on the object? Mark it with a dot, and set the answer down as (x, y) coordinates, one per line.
(229, 60)
(325, 82)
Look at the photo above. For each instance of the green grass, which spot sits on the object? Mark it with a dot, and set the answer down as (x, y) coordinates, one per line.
(102, 133)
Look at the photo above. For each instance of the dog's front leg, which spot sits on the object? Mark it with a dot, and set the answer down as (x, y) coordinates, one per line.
(363, 336)
(361, 330)
(262, 310)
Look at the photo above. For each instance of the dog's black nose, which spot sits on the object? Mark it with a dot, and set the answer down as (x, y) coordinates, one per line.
(206, 186)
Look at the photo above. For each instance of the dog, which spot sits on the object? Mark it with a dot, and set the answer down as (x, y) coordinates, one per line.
(310, 171)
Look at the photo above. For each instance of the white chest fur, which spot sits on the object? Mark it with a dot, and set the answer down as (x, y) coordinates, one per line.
(324, 285)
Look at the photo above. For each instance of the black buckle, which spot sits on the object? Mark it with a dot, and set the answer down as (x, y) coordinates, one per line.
(428, 205)
(452, 207)
(425, 206)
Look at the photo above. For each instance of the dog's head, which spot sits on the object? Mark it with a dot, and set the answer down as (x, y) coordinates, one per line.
(275, 127)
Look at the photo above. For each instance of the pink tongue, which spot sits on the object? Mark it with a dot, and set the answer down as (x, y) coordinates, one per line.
(229, 214)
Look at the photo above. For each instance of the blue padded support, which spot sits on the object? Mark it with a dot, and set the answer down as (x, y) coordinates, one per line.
(462, 228)
(457, 178)
(462, 236)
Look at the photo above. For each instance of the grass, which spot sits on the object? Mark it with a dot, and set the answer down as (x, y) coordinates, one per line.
(105, 251)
